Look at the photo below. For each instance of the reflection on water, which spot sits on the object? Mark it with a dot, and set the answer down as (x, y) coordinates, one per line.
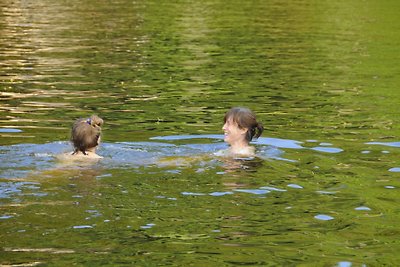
(24, 158)
(131, 175)
(184, 172)
(321, 76)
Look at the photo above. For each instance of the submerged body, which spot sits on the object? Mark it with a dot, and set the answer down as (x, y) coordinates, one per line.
(79, 156)
(247, 152)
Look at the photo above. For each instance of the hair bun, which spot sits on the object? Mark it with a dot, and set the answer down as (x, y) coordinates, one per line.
(95, 121)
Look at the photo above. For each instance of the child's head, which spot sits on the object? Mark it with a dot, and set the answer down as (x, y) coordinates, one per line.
(85, 133)
(244, 118)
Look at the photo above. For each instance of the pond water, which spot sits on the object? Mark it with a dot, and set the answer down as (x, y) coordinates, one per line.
(322, 76)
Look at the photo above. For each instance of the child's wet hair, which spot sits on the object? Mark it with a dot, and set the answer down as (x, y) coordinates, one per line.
(85, 133)
(245, 119)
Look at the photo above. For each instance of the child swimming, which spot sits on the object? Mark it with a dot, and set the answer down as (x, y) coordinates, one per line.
(240, 127)
(85, 137)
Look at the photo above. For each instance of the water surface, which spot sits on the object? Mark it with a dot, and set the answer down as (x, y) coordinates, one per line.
(321, 76)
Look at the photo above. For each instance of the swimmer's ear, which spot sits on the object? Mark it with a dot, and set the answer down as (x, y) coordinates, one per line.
(243, 130)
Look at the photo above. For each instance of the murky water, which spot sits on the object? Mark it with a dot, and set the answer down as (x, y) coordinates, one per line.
(321, 76)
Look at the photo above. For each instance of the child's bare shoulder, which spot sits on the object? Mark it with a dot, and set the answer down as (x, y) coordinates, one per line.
(69, 157)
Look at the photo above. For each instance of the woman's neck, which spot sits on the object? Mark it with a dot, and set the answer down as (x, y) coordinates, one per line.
(241, 148)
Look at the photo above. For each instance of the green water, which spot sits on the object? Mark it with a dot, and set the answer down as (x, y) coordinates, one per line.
(322, 76)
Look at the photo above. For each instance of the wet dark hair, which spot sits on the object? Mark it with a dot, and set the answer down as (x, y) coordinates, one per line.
(85, 133)
(245, 119)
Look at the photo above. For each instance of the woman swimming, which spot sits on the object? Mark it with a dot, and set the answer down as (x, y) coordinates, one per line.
(240, 127)
(85, 137)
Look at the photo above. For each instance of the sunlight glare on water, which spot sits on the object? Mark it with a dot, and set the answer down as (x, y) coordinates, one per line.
(320, 75)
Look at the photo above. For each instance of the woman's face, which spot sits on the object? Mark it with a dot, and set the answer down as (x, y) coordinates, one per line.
(232, 132)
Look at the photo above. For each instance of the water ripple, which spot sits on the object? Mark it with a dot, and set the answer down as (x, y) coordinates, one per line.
(323, 217)
(253, 191)
(391, 144)
(327, 149)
